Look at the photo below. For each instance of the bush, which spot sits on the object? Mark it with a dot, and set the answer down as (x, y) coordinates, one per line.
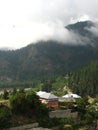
(18, 103)
(52, 122)
(28, 104)
(5, 117)
(49, 122)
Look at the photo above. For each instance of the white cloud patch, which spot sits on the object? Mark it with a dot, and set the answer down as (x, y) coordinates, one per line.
(93, 29)
(27, 21)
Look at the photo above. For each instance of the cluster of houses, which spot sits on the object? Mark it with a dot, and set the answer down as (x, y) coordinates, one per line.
(52, 100)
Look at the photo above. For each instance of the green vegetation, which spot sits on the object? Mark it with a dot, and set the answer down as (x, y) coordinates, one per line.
(53, 67)
(85, 81)
(55, 85)
(5, 117)
(25, 107)
(51, 122)
(28, 104)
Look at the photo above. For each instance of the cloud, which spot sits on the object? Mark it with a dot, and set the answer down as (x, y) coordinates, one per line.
(93, 29)
(58, 32)
(26, 21)
(65, 10)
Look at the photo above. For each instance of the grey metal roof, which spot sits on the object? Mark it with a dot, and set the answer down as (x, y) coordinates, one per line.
(48, 96)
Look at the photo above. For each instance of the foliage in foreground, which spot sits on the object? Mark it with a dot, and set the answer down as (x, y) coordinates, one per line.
(28, 104)
(22, 104)
(5, 117)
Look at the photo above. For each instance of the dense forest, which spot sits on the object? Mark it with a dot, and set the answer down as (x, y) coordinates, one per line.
(44, 60)
(85, 81)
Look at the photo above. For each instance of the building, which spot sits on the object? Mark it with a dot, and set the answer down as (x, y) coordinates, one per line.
(71, 96)
(49, 99)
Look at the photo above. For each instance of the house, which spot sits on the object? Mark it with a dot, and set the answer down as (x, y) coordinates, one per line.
(71, 96)
(48, 98)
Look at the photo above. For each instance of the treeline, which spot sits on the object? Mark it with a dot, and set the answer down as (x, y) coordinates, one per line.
(85, 81)
(53, 84)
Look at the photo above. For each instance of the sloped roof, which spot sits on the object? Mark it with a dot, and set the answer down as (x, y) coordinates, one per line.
(71, 96)
(40, 93)
(48, 96)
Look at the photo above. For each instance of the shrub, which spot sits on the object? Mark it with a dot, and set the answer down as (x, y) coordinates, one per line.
(5, 117)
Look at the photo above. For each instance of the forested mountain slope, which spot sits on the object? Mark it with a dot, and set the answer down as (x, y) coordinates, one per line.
(85, 81)
(47, 59)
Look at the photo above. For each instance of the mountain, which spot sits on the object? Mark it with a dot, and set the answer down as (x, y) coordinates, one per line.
(80, 27)
(85, 31)
(47, 59)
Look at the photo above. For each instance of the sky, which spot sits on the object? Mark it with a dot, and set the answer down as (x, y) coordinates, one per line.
(27, 21)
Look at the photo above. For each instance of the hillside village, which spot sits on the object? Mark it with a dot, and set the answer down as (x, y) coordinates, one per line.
(67, 106)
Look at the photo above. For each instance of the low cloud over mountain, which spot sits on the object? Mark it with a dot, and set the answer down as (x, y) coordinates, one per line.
(81, 33)
(50, 58)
